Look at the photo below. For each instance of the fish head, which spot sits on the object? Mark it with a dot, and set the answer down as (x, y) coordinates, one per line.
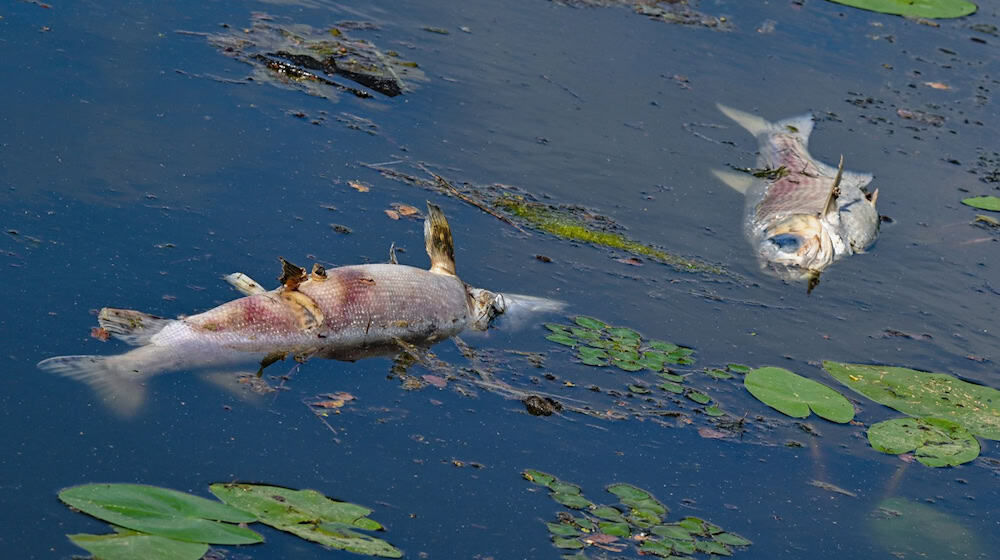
(484, 306)
(859, 222)
(798, 247)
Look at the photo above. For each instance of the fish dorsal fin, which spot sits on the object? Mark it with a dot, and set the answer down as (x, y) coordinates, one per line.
(739, 182)
(437, 237)
(244, 284)
(133, 327)
(392, 253)
(831, 201)
(291, 275)
(873, 198)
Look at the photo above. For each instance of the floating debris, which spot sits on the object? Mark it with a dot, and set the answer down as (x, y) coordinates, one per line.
(318, 61)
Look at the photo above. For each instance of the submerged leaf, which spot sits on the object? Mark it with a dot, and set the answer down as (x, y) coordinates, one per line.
(919, 393)
(562, 339)
(938, 443)
(794, 395)
(163, 512)
(129, 545)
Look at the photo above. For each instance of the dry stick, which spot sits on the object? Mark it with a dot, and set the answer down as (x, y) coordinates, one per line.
(442, 182)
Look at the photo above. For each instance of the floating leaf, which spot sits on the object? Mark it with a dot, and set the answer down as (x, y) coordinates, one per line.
(560, 487)
(624, 333)
(738, 368)
(619, 529)
(938, 443)
(794, 395)
(557, 328)
(698, 397)
(671, 386)
(593, 361)
(919, 393)
(562, 529)
(991, 203)
(714, 411)
(163, 512)
(562, 339)
(672, 531)
(657, 548)
(129, 545)
(732, 539)
(310, 515)
(638, 389)
(672, 377)
(607, 512)
(575, 501)
(712, 547)
(565, 543)
(538, 477)
(590, 322)
(938, 9)
(661, 345)
(718, 373)
(627, 365)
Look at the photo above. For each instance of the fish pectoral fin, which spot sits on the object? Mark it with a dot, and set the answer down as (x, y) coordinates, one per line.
(132, 327)
(437, 238)
(831, 201)
(244, 284)
(739, 182)
(872, 197)
(392, 253)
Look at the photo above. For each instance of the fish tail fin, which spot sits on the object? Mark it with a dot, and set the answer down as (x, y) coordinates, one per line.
(518, 309)
(132, 327)
(437, 237)
(120, 389)
(801, 125)
(739, 182)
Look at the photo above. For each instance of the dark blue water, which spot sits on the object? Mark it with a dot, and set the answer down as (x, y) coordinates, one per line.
(138, 166)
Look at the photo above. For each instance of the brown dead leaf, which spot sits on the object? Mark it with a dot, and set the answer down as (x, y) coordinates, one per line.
(436, 381)
(359, 186)
(392, 214)
(937, 85)
(100, 334)
(631, 260)
(332, 400)
(405, 209)
(710, 433)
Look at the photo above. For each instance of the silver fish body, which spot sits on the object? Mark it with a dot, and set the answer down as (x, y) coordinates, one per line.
(345, 313)
(801, 215)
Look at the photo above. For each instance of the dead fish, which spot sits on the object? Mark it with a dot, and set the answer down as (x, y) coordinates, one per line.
(801, 214)
(344, 313)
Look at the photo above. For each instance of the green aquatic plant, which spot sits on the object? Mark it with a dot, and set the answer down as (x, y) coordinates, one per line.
(163, 524)
(908, 529)
(599, 344)
(935, 442)
(310, 515)
(636, 523)
(991, 203)
(923, 394)
(567, 224)
(935, 9)
(794, 395)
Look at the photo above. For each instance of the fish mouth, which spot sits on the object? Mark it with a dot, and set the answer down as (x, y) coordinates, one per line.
(797, 248)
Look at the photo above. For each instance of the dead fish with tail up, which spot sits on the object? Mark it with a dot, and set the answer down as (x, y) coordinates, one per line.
(344, 313)
(801, 214)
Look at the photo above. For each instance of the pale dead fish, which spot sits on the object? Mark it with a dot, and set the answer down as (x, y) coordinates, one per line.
(344, 313)
(801, 214)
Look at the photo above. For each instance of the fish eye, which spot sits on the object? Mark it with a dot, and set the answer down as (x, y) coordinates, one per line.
(786, 242)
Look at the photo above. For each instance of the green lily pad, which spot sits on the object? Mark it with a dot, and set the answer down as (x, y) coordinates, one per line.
(627, 365)
(794, 395)
(564, 543)
(919, 393)
(615, 529)
(538, 477)
(162, 512)
(129, 545)
(560, 487)
(739, 368)
(937, 442)
(732, 539)
(718, 373)
(563, 339)
(590, 322)
(310, 515)
(638, 389)
(575, 501)
(671, 377)
(672, 531)
(593, 361)
(607, 512)
(991, 203)
(712, 547)
(934, 9)
(661, 345)
(657, 548)
(698, 397)
(557, 328)
(585, 334)
(562, 529)
(672, 387)
(624, 333)
(714, 411)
